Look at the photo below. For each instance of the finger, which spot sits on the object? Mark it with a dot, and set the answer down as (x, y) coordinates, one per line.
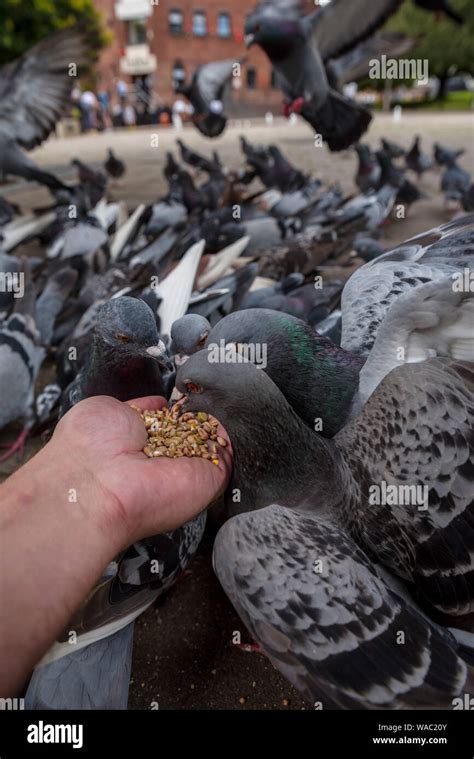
(149, 402)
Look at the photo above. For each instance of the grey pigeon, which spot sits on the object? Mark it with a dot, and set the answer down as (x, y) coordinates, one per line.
(303, 574)
(444, 155)
(113, 165)
(205, 92)
(126, 357)
(188, 335)
(392, 149)
(416, 160)
(454, 182)
(298, 46)
(34, 91)
(368, 171)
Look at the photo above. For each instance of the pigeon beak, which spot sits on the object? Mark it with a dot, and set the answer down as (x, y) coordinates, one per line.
(249, 39)
(159, 353)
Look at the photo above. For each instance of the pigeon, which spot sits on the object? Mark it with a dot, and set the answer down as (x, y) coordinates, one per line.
(454, 182)
(392, 149)
(188, 335)
(126, 357)
(196, 160)
(407, 193)
(113, 165)
(444, 156)
(94, 182)
(205, 92)
(34, 91)
(368, 171)
(441, 6)
(318, 378)
(302, 528)
(416, 160)
(297, 47)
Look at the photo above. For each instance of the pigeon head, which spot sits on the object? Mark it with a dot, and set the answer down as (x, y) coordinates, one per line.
(275, 34)
(260, 424)
(128, 325)
(189, 334)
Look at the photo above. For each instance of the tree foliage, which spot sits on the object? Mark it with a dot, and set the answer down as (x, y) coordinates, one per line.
(447, 46)
(26, 22)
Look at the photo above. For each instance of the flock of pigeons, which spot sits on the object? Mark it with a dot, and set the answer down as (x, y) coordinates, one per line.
(348, 551)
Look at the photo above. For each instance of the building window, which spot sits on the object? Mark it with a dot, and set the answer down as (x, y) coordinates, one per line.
(175, 21)
(137, 31)
(251, 78)
(224, 26)
(178, 74)
(199, 24)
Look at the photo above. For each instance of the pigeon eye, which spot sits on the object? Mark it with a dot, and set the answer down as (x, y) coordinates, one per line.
(123, 338)
(191, 387)
(202, 340)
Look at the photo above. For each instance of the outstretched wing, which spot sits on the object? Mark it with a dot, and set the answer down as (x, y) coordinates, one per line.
(35, 88)
(411, 454)
(328, 622)
(355, 64)
(372, 289)
(342, 24)
(213, 77)
(436, 319)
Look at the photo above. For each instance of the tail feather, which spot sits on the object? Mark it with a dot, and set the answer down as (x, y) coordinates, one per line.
(340, 121)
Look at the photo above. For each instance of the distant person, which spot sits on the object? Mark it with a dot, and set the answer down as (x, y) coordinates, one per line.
(104, 110)
(129, 115)
(122, 90)
(88, 106)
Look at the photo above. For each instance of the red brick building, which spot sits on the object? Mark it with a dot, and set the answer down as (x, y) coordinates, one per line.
(156, 42)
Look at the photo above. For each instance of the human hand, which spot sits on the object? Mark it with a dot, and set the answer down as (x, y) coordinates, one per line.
(141, 496)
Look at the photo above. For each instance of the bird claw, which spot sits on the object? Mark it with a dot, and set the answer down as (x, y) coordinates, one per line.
(17, 446)
(296, 106)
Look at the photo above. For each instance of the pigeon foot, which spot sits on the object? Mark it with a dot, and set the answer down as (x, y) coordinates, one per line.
(17, 445)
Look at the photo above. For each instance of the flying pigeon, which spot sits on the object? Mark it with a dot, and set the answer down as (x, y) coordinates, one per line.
(34, 90)
(206, 92)
(298, 47)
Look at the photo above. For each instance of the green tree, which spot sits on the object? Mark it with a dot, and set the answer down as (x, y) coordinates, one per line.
(447, 46)
(25, 22)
